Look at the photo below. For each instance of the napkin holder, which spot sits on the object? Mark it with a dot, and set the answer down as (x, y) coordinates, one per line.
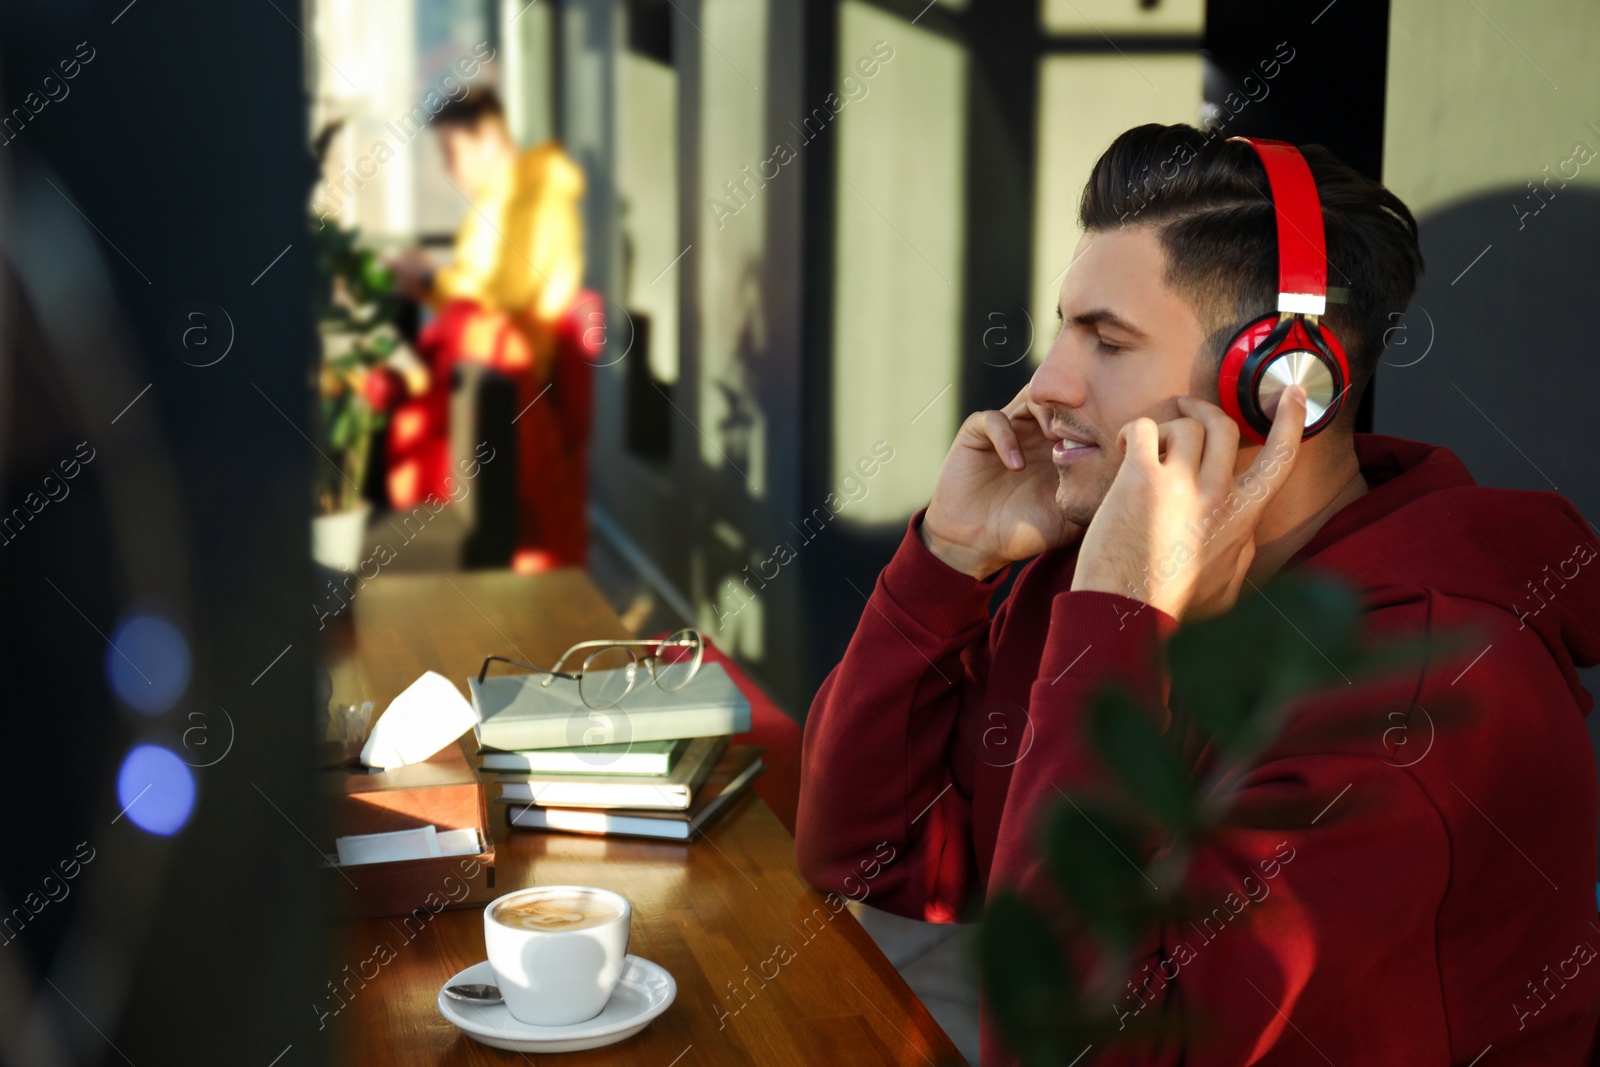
(441, 791)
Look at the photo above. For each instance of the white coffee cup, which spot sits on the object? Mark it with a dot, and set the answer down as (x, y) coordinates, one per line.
(557, 950)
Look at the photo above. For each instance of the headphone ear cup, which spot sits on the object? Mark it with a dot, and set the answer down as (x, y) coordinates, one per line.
(1254, 349)
(1235, 385)
(1322, 343)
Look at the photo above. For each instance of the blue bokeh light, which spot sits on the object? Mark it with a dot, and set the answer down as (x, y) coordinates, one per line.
(147, 662)
(155, 790)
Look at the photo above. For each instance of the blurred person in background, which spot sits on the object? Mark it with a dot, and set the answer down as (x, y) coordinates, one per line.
(506, 301)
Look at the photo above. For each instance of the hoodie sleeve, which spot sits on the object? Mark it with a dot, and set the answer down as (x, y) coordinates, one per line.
(1315, 900)
(474, 254)
(885, 785)
(554, 235)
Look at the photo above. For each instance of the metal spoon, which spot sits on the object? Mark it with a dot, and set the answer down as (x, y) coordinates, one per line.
(474, 993)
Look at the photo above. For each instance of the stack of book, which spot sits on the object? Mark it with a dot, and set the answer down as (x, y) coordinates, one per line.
(658, 764)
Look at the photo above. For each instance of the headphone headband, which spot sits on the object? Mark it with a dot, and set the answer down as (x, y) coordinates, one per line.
(1302, 250)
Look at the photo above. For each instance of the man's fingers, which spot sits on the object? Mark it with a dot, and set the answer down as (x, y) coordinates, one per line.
(1289, 421)
(1277, 457)
(1222, 443)
(1027, 415)
(1182, 440)
(996, 427)
(1003, 432)
(1140, 441)
(1019, 403)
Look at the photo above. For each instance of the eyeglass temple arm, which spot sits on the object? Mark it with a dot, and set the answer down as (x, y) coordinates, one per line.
(614, 644)
(484, 670)
(589, 644)
(631, 641)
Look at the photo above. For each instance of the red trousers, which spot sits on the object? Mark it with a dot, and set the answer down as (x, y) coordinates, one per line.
(551, 426)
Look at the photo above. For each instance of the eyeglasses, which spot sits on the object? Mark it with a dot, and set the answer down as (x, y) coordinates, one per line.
(610, 668)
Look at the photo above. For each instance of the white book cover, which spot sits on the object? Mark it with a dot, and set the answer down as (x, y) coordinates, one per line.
(581, 821)
(643, 758)
(672, 790)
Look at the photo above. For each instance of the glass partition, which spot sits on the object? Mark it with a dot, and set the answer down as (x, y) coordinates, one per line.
(901, 191)
(1085, 101)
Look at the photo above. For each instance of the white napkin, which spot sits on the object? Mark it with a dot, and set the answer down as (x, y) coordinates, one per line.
(425, 718)
(386, 848)
(420, 843)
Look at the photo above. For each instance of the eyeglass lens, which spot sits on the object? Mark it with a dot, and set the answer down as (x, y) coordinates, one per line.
(676, 659)
(607, 676)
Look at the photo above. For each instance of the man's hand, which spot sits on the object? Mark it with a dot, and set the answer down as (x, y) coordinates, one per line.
(1177, 528)
(994, 502)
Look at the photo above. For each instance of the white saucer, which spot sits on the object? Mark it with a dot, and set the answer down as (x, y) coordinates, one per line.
(644, 991)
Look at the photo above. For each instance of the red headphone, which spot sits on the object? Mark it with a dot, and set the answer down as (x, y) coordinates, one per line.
(1288, 347)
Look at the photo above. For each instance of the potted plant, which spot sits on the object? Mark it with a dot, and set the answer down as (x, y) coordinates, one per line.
(356, 306)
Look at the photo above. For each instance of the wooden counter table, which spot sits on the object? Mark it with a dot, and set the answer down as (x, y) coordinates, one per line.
(714, 912)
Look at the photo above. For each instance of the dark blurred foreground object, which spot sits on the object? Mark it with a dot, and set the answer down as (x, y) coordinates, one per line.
(155, 336)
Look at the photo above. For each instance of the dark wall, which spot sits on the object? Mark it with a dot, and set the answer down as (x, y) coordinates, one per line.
(1495, 357)
(158, 184)
(1331, 91)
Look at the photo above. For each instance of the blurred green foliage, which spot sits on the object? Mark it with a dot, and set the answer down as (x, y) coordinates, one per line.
(355, 304)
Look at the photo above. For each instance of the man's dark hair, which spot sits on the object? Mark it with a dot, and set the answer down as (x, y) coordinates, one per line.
(476, 105)
(1208, 200)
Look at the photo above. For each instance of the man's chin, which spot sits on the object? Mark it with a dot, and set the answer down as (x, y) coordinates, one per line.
(1077, 502)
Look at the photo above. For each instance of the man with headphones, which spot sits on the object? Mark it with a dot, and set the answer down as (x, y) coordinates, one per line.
(1189, 434)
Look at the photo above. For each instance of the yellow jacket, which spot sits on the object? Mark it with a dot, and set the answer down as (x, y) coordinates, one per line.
(520, 250)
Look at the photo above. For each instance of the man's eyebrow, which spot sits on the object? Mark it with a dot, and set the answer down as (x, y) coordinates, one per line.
(1097, 316)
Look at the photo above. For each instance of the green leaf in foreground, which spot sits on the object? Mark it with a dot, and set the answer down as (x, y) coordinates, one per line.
(1231, 672)
(1025, 978)
(1094, 857)
(1143, 760)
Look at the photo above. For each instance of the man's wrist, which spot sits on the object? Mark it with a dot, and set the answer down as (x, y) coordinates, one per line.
(1088, 579)
(957, 556)
(936, 596)
(1095, 577)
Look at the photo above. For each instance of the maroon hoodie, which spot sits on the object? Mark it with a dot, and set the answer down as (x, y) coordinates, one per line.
(1432, 901)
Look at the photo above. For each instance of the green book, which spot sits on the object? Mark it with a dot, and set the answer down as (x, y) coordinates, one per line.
(637, 757)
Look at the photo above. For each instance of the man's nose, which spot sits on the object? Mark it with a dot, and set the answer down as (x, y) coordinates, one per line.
(1058, 382)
